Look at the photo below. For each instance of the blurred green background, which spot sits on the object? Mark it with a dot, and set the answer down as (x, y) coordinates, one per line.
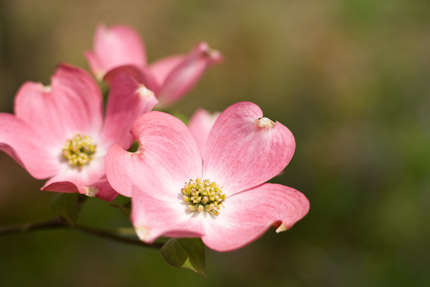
(350, 78)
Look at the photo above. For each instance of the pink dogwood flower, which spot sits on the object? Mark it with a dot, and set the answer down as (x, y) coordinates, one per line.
(58, 131)
(219, 195)
(119, 48)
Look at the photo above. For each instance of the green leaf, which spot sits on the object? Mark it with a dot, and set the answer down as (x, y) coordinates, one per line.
(67, 206)
(134, 147)
(185, 253)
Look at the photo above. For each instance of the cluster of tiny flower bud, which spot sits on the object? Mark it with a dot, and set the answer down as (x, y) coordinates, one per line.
(79, 150)
(203, 195)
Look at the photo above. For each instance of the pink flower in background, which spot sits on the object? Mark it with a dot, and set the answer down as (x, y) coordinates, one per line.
(115, 47)
(219, 195)
(200, 125)
(119, 48)
(58, 131)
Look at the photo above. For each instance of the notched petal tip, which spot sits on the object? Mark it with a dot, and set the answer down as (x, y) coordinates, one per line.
(282, 227)
(91, 191)
(212, 54)
(100, 75)
(142, 232)
(265, 123)
(144, 92)
(46, 89)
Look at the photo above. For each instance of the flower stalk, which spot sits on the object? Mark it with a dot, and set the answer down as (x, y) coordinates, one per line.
(59, 222)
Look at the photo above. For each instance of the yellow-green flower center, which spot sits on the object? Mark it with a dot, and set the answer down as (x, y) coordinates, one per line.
(203, 195)
(79, 150)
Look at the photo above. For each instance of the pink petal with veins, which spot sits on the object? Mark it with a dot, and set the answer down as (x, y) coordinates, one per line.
(163, 67)
(174, 221)
(168, 154)
(200, 125)
(184, 73)
(142, 75)
(115, 46)
(72, 104)
(127, 101)
(29, 148)
(247, 215)
(243, 151)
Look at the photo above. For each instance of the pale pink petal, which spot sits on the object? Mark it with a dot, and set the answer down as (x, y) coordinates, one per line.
(89, 180)
(200, 125)
(153, 218)
(163, 67)
(168, 155)
(60, 186)
(169, 148)
(186, 74)
(27, 147)
(72, 104)
(101, 189)
(141, 75)
(247, 215)
(115, 46)
(127, 101)
(124, 169)
(70, 180)
(244, 149)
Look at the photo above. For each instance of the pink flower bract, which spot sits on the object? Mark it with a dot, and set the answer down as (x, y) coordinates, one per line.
(243, 151)
(119, 48)
(58, 132)
(200, 125)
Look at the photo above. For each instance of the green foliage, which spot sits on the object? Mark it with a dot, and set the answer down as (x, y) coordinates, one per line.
(185, 253)
(67, 205)
(134, 147)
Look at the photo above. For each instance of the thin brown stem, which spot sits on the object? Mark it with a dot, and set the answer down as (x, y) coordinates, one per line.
(59, 222)
(115, 237)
